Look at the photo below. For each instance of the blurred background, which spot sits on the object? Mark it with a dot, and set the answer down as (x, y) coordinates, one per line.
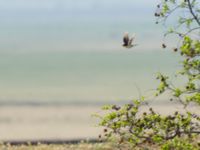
(61, 60)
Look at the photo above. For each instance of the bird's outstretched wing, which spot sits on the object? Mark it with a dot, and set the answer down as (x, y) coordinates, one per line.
(131, 41)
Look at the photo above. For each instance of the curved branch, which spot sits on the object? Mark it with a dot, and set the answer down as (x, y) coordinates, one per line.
(192, 12)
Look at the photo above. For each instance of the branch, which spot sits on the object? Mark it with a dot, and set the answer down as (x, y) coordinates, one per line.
(178, 133)
(192, 12)
(190, 132)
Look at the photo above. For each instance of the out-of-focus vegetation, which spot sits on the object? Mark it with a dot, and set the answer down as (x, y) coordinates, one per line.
(129, 125)
(80, 146)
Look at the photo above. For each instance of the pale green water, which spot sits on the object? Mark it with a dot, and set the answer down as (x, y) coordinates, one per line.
(81, 76)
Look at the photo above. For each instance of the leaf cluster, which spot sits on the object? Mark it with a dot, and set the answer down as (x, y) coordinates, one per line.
(130, 124)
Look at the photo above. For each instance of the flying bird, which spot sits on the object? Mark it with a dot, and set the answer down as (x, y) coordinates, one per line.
(128, 42)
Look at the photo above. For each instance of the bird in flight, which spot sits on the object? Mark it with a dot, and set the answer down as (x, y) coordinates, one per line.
(128, 42)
